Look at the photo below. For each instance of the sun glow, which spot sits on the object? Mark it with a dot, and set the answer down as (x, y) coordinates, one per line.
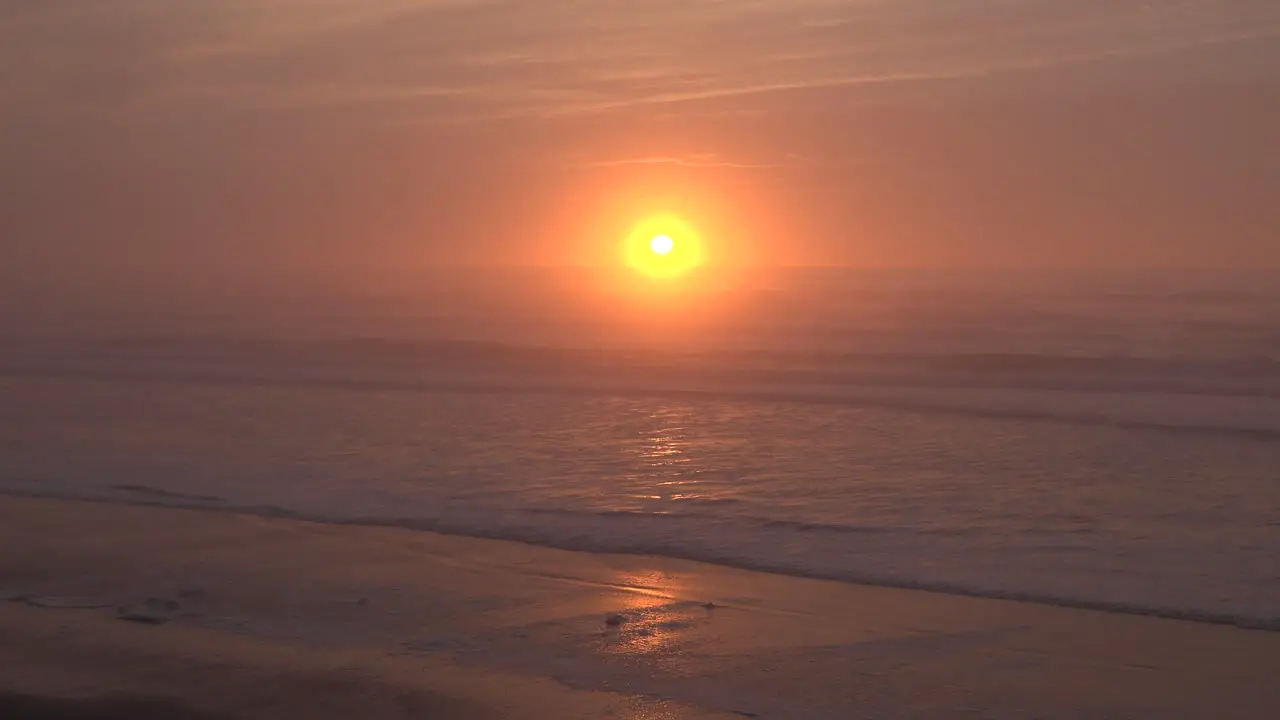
(663, 247)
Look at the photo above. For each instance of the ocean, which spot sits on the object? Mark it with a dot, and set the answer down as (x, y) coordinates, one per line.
(1106, 441)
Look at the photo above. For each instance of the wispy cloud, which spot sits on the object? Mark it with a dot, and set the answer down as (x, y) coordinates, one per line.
(513, 58)
(348, 119)
(700, 160)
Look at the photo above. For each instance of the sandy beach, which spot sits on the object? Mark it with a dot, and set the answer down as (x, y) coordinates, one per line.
(241, 616)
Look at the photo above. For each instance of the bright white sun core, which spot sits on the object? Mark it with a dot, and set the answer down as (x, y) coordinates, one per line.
(662, 244)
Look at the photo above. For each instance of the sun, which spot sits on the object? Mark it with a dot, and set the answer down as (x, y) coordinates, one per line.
(663, 247)
(662, 244)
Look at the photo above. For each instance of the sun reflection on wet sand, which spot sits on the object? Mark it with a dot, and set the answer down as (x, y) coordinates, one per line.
(653, 619)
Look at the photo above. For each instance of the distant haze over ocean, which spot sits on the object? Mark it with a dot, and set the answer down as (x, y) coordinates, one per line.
(1099, 439)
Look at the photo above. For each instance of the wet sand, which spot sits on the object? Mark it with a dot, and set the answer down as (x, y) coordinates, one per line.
(252, 617)
(79, 665)
(27, 707)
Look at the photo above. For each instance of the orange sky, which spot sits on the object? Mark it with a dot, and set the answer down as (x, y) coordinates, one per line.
(291, 139)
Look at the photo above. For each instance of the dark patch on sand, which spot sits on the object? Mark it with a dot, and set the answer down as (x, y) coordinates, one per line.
(29, 707)
(159, 493)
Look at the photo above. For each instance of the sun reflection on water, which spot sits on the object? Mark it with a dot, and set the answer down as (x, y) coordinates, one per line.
(663, 456)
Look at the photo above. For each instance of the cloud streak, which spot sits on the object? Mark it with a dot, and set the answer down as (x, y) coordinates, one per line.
(502, 58)
(351, 124)
(693, 161)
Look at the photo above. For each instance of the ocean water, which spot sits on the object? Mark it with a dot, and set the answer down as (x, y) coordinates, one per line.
(1111, 444)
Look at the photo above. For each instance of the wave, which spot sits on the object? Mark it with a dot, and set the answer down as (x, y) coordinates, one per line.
(470, 353)
(762, 522)
(893, 396)
(147, 490)
(633, 545)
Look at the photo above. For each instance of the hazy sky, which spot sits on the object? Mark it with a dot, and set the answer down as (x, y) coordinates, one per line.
(269, 137)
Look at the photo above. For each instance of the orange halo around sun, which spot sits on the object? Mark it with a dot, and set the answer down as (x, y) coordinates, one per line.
(663, 247)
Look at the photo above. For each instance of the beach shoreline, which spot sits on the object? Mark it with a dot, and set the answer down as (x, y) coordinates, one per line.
(475, 623)
(148, 497)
